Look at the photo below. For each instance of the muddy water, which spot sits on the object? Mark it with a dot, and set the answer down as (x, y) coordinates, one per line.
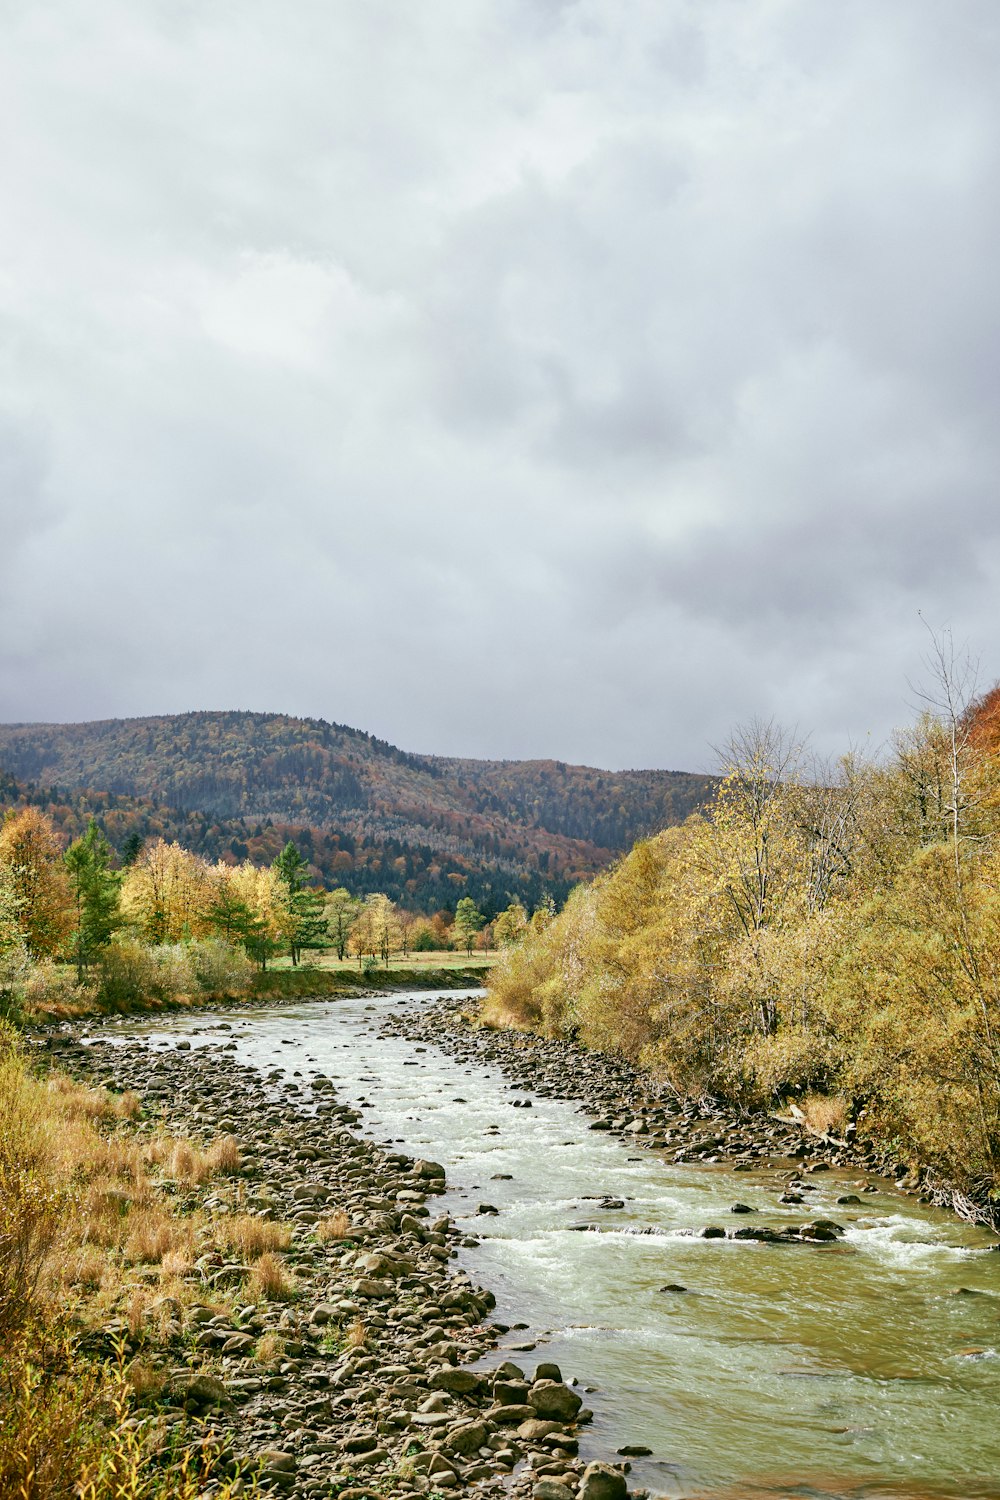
(865, 1368)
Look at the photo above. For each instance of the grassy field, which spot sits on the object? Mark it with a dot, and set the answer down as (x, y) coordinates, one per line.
(478, 963)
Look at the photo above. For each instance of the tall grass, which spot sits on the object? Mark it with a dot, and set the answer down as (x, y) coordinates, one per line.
(79, 1204)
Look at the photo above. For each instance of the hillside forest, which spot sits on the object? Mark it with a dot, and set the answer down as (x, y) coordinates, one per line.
(422, 829)
(820, 939)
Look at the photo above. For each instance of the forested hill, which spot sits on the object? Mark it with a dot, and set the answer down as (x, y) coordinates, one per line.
(554, 822)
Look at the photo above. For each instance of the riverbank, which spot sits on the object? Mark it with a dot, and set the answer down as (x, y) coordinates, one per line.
(628, 1103)
(270, 987)
(342, 1368)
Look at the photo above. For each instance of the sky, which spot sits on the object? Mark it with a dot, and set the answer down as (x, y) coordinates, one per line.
(512, 379)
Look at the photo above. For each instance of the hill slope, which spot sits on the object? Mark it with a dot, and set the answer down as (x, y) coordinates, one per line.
(559, 822)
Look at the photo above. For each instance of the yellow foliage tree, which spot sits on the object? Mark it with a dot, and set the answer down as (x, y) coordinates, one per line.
(166, 894)
(37, 882)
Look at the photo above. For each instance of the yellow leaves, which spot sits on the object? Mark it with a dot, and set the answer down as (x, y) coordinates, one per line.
(166, 893)
(37, 903)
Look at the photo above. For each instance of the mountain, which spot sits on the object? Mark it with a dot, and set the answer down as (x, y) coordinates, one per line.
(359, 805)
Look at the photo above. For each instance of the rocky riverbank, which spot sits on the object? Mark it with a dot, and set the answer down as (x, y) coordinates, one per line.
(627, 1103)
(352, 1377)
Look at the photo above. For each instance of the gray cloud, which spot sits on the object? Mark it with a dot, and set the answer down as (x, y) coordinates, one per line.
(523, 379)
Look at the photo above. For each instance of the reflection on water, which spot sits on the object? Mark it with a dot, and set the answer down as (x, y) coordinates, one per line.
(868, 1368)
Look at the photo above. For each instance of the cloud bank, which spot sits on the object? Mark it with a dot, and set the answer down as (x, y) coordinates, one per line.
(511, 379)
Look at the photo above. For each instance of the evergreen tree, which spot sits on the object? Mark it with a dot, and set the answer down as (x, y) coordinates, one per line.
(95, 890)
(308, 928)
(131, 849)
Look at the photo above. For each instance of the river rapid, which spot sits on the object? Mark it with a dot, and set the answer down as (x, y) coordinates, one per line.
(865, 1368)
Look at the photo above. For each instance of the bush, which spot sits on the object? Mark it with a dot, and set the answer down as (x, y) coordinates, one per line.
(221, 969)
(132, 973)
(53, 987)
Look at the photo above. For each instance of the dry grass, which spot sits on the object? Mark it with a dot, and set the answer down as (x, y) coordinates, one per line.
(223, 1155)
(336, 1226)
(356, 1335)
(145, 1378)
(187, 1163)
(825, 1114)
(270, 1348)
(159, 1237)
(250, 1237)
(269, 1281)
(78, 1206)
(75, 1101)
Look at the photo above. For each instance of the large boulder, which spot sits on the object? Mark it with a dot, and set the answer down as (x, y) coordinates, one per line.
(554, 1400)
(602, 1482)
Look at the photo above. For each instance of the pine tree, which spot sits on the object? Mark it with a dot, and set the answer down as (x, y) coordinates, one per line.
(308, 928)
(95, 890)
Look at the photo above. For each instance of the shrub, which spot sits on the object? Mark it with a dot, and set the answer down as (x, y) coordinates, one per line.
(132, 973)
(30, 1201)
(129, 973)
(221, 969)
(53, 987)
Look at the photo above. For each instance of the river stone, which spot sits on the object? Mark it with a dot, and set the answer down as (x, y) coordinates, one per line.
(548, 1371)
(535, 1430)
(372, 1457)
(428, 1170)
(510, 1392)
(193, 1391)
(460, 1382)
(602, 1482)
(553, 1399)
(276, 1461)
(550, 1489)
(510, 1416)
(821, 1229)
(466, 1439)
(363, 1443)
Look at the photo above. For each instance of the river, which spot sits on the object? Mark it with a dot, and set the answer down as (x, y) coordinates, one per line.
(861, 1369)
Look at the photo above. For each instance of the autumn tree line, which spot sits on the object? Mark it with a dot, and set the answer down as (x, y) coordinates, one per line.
(824, 939)
(158, 922)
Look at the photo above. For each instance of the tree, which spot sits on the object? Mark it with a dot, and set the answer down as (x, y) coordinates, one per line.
(265, 896)
(95, 889)
(167, 892)
(307, 926)
(131, 849)
(376, 929)
(543, 914)
(341, 914)
(29, 850)
(14, 960)
(406, 921)
(292, 868)
(511, 925)
(468, 920)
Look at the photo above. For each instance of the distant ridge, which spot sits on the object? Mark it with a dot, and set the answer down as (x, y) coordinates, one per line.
(514, 827)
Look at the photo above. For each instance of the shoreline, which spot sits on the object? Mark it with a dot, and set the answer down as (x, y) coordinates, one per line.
(627, 1102)
(372, 1385)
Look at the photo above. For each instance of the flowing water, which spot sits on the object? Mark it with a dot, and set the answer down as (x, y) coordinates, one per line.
(865, 1368)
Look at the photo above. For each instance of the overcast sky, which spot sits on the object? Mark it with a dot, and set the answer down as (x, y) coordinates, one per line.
(512, 379)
